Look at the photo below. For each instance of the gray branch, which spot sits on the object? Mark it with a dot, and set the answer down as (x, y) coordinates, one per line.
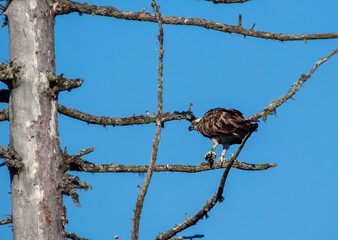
(151, 168)
(81, 165)
(117, 121)
(60, 83)
(274, 104)
(66, 7)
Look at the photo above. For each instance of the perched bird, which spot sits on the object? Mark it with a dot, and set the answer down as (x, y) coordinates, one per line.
(223, 126)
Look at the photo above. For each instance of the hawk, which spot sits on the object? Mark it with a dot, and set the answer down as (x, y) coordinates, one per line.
(223, 126)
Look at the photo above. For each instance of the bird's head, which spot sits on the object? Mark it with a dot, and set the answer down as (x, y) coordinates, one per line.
(193, 125)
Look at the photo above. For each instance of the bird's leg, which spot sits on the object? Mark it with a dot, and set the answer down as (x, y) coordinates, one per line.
(221, 158)
(210, 156)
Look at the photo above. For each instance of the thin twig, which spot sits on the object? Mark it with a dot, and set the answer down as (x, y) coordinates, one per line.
(209, 205)
(144, 188)
(66, 7)
(274, 104)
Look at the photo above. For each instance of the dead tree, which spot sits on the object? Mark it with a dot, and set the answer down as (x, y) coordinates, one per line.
(35, 192)
(37, 165)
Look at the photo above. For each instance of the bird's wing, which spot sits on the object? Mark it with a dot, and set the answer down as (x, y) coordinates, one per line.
(220, 121)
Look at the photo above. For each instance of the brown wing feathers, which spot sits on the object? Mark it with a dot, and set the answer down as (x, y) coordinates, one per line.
(220, 121)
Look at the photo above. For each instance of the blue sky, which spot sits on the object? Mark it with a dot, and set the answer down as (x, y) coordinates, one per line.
(117, 60)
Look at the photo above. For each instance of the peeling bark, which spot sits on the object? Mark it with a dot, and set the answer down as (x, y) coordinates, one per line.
(36, 197)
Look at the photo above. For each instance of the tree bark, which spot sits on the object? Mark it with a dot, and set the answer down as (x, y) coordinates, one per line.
(36, 198)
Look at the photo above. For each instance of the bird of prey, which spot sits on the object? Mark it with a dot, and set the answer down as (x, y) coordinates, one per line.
(223, 126)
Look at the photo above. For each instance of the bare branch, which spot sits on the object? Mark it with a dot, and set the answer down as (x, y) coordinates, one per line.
(76, 163)
(274, 104)
(10, 75)
(150, 170)
(81, 165)
(240, 20)
(209, 205)
(6, 221)
(219, 194)
(73, 236)
(66, 7)
(60, 83)
(115, 121)
(4, 115)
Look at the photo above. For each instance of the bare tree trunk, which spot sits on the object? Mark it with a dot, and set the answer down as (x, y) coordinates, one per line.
(36, 198)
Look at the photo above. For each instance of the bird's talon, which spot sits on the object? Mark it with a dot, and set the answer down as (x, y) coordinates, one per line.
(209, 157)
(210, 154)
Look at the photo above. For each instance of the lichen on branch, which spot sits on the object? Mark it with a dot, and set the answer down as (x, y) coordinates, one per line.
(59, 83)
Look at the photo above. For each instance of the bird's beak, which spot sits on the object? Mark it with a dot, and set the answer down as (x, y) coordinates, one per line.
(190, 128)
